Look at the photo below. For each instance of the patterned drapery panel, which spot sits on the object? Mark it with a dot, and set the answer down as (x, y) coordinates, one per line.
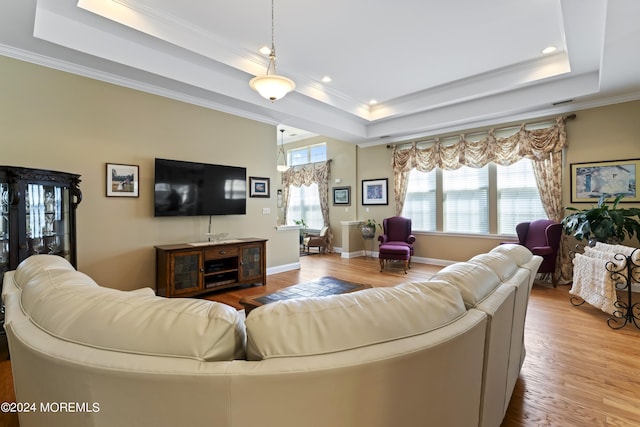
(307, 174)
(543, 146)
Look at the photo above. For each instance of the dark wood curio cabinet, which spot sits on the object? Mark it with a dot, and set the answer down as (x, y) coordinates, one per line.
(38, 209)
(37, 215)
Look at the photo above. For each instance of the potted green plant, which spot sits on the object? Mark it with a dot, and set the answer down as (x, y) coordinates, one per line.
(603, 223)
(368, 228)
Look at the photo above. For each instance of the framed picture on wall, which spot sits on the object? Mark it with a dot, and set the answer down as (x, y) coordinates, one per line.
(259, 187)
(342, 196)
(122, 180)
(610, 178)
(375, 191)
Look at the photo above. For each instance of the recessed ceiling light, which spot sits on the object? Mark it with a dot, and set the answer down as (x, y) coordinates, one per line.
(373, 102)
(326, 79)
(549, 49)
(265, 50)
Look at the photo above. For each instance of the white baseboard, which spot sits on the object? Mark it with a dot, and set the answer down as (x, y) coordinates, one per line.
(356, 254)
(283, 268)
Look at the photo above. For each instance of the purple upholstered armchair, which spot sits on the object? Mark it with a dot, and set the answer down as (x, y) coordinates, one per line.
(542, 237)
(397, 241)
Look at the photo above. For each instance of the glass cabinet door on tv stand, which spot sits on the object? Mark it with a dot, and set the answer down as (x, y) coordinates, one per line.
(38, 209)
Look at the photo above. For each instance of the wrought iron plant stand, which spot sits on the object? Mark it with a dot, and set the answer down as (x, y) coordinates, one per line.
(624, 275)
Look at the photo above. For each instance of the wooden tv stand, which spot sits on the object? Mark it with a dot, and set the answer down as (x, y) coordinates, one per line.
(190, 269)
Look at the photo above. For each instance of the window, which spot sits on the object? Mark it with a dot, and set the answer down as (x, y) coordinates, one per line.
(518, 196)
(308, 154)
(466, 196)
(493, 199)
(304, 202)
(420, 201)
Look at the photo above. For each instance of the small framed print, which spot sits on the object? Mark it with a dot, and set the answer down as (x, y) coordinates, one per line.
(122, 180)
(375, 191)
(259, 187)
(342, 196)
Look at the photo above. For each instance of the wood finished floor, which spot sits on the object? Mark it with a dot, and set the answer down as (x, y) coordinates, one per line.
(578, 371)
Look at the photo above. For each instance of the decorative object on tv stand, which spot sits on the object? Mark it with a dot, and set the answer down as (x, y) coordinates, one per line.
(281, 159)
(272, 86)
(122, 180)
(259, 187)
(375, 191)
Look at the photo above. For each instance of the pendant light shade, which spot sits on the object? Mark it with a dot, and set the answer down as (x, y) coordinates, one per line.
(272, 86)
(281, 159)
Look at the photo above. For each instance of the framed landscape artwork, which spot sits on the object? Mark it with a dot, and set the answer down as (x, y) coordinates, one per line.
(259, 187)
(122, 180)
(375, 191)
(610, 178)
(342, 196)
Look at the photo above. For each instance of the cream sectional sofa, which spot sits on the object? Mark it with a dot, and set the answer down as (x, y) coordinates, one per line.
(439, 352)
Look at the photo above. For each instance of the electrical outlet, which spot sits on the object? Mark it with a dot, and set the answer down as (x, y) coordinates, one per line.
(266, 211)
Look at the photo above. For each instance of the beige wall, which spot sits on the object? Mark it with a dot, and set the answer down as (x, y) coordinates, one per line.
(598, 134)
(55, 120)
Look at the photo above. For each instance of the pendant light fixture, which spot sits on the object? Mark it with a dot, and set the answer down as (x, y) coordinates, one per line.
(271, 85)
(281, 159)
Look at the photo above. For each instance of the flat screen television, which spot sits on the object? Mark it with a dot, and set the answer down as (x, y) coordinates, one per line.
(192, 189)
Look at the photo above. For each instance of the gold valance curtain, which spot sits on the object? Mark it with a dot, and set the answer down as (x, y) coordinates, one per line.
(543, 146)
(538, 145)
(307, 174)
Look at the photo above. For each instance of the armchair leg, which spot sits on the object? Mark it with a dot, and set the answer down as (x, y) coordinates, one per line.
(406, 265)
(381, 264)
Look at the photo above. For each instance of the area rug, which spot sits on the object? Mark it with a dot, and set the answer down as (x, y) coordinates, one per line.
(323, 286)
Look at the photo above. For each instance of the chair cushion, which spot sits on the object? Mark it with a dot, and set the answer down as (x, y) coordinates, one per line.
(394, 250)
(311, 326)
(69, 305)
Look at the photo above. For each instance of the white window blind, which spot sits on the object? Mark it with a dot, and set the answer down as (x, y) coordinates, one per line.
(304, 203)
(466, 199)
(518, 196)
(420, 201)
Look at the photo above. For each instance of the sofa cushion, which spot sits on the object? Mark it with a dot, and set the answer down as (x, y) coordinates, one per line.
(520, 254)
(311, 326)
(39, 264)
(70, 306)
(503, 265)
(475, 281)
